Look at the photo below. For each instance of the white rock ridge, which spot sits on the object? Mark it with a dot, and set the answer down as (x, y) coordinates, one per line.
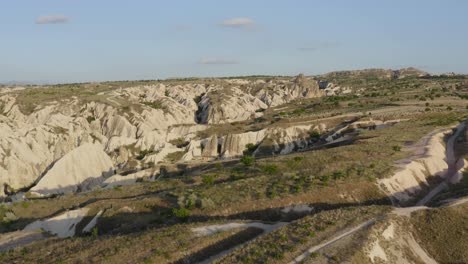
(63, 225)
(82, 168)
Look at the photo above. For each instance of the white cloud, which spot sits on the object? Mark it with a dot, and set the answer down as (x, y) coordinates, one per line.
(52, 19)
(239, 22)
(217, 61)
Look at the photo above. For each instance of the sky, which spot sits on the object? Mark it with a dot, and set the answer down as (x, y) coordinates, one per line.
(98, 40)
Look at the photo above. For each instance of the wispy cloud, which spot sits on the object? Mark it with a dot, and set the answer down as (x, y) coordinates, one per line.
(52, 19)
(239, 22)
(318, 45)
(217, 61)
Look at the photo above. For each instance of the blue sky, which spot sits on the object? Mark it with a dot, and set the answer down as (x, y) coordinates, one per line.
(97, 40)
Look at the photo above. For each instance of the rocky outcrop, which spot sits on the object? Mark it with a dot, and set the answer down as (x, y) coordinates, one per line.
(414, 172)
(235, 144)
(118, 180)
(274, 140)
(210, 148)
(227, 105)
(393, 242)
(274, 94)
(63, 225)
(81, 169)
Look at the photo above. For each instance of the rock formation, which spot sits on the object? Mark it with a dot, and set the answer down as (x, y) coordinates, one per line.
(80, 169)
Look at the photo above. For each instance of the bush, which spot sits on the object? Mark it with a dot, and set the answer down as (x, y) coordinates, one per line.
(298, 158)
(143, 154)
(250, 148)
(247, 160)
(95, 232)
(155, 105)
(179, 142)
(325, 178)
(175, 156)
(396, 148)
(270, 169)
(314, 134)
(298, 111)
(181, 213)
(338, 175)
(208, 179)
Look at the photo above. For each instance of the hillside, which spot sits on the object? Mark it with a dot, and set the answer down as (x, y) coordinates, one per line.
(361, 166)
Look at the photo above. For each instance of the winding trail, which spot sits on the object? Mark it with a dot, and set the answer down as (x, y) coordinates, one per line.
(332, 240)
(208, 230)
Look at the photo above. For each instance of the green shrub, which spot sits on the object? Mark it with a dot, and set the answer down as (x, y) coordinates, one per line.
(142, 154)
(396, 148)
(247, 160)
(314, 134)
(325, 178)
(175, 156)
(179, 142)
(338, 175)
(250, 148)
(181, 213)
(269, 169)
(298, 158)
(155, 105)
(208, 179)
(298, 111)
(95, 232)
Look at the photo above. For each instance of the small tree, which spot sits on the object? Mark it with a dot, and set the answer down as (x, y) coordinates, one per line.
(250, 148)
(247, 160)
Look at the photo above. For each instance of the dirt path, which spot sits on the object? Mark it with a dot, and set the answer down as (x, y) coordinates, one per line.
(351, 231)
(19, 238)
(208, 230)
